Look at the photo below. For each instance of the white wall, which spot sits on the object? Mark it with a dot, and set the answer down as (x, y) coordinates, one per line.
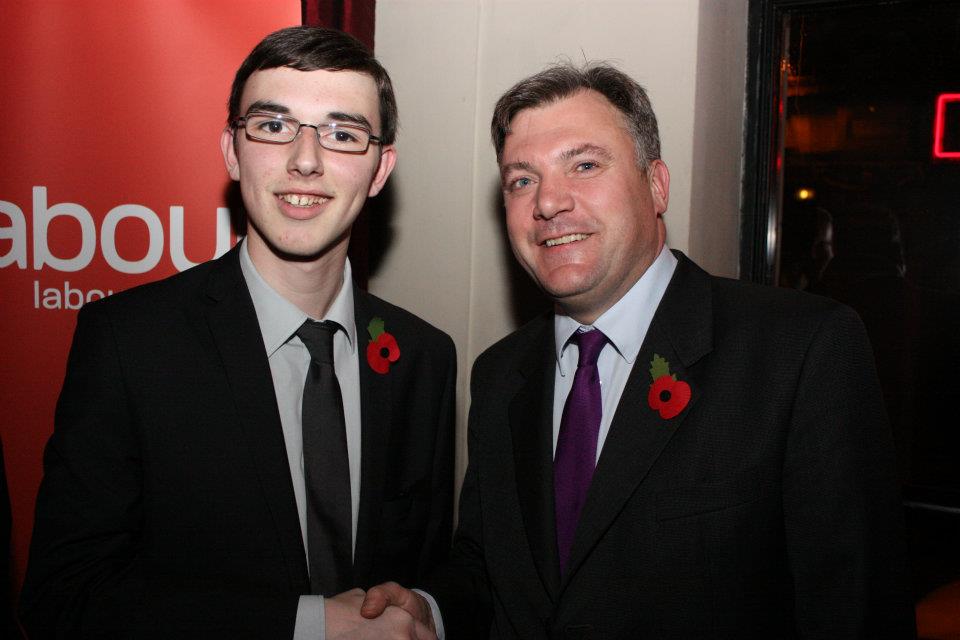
(451, 59)
(717, 154)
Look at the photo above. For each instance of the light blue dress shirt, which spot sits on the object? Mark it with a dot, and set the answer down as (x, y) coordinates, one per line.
(625, 324)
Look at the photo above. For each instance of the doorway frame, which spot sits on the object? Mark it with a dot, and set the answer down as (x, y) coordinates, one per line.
(761, 197)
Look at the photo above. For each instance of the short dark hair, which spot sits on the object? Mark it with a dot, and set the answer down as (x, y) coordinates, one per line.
(310, 49)
(564, 80)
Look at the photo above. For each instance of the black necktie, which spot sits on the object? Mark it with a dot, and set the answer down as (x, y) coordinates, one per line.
(325, 466)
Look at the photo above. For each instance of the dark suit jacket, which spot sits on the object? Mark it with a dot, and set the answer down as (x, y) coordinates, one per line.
(8, 624)
(766, 509)
(167, 507)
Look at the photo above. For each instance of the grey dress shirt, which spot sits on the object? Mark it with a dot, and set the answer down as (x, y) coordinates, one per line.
(289, 360)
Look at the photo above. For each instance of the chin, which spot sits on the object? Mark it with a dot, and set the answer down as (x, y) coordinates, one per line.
(564, 295)
(298, 251)
(565, 287)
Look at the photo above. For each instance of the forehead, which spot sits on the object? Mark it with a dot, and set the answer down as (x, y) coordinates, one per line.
(313, 94)
(583, 118)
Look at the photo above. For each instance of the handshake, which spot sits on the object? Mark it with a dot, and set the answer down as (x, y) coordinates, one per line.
(385, 612)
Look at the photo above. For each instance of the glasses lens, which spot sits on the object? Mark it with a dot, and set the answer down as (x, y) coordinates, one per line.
(271, 128)
(340, 137)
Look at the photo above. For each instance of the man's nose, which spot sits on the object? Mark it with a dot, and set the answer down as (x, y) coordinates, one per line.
(553, 197)
(306, 154)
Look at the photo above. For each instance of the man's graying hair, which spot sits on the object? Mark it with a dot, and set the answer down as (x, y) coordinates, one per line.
(562, 81)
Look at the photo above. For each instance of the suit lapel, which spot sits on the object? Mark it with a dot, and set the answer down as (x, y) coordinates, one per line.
(233, 324)
(375, 403)
(531, 425)
(681, 333)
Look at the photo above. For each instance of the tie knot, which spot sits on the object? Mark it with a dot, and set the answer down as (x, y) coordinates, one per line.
(318, 338)
(590, 344)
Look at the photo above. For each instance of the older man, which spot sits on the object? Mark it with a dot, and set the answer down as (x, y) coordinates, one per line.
(666, 454)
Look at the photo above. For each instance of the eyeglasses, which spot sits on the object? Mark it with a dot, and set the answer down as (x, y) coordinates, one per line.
(278, 129)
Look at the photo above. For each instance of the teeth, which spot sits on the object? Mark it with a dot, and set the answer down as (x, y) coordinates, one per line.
(301, 200)
(573, 237)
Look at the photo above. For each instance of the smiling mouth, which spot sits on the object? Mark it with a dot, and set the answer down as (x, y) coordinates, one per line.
(302, 199)
(567, 239)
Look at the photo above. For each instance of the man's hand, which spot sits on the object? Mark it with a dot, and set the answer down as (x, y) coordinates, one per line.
(343, 621)
(390, 594)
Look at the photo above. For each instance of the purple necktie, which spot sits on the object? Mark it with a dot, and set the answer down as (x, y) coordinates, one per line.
(576, 454)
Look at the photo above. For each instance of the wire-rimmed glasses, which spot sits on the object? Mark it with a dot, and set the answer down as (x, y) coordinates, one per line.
(281, 129)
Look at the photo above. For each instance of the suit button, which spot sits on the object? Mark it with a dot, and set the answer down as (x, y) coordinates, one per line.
(578, 632)
(548, 631)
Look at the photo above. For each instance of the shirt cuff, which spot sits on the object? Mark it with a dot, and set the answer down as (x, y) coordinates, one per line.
(435, 612)
(311, 620)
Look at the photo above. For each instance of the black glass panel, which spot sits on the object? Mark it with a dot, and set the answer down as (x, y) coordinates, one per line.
(869, 214)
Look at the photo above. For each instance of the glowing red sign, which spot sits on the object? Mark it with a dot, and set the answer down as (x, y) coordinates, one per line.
(940, 126)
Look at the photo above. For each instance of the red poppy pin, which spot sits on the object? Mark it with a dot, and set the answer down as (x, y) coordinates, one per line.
(382, 348)
(667, 395)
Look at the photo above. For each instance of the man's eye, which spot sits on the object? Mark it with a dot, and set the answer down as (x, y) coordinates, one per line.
(343, 136)
(586, 166)
(519, 183)
(271, 126)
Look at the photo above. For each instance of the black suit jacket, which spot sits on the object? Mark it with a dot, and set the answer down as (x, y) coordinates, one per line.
(167, 507)
(767, 509)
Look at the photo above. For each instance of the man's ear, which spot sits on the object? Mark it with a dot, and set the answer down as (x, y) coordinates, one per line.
(388, 159)
(229, 149)
(659, 178)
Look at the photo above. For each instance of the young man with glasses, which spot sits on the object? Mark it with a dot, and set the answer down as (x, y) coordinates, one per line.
(239, 441)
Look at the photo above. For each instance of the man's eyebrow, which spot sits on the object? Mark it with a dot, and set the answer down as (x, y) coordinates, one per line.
(520, 165)
(336, 116)
(353, 118)
(588, 148)
(266, 105)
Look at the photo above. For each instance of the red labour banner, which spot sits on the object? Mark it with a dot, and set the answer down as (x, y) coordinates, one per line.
(112, 176)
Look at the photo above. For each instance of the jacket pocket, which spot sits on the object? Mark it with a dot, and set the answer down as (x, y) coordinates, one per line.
(705, 498)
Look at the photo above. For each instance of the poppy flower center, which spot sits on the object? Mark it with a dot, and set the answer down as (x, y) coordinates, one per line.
(665, 395)
(384, 352)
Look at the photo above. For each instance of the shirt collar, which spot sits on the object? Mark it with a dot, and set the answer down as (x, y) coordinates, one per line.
(625, 323)
(279, 318)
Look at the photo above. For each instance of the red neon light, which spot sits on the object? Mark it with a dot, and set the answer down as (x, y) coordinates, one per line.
(938, 125)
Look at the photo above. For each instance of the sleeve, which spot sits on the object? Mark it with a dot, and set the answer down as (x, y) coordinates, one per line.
(460, 589)
(87, 575)
(842, 513)
(8, 625)
(311, 619)
(434, 613)
(436, 547)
